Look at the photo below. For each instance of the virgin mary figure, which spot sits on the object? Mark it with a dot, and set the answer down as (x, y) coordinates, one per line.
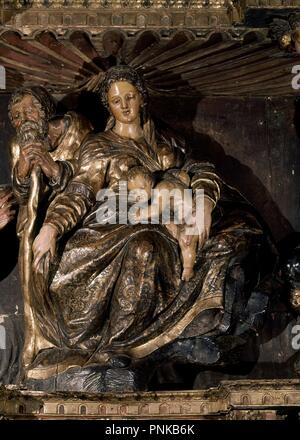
(105, 291)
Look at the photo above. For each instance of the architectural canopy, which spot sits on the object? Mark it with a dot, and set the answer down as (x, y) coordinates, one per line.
(196, 48)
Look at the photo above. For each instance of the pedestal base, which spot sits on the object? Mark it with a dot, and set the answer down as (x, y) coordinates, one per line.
(269, 399)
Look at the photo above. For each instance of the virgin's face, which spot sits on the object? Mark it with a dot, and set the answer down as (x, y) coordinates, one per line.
(124, 102)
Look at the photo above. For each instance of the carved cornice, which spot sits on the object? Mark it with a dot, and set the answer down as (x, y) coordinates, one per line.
(153, 4)
(249, 399)
(31, 15)
(116, 4)
(121, 13)
(274, 4)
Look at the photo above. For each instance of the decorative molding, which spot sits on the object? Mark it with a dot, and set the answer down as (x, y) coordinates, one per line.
(146, 4)
(116, 4)
(274, 4)
(31, 15)
(245, 399)
(129, 14)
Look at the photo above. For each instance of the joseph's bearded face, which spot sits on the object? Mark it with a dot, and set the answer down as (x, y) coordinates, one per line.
(28, 119)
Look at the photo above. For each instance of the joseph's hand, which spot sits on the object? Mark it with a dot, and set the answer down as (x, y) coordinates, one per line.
(24, 164)
(36, 154)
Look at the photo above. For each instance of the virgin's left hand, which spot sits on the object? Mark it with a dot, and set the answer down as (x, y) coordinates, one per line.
(44, 243)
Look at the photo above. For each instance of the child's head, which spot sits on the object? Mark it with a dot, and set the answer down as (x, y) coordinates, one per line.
(140, 182)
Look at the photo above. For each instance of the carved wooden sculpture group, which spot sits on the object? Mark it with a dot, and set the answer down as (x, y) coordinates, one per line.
(106, 303)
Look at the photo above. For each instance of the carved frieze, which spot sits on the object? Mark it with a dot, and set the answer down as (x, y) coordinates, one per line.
(249, 400)
(29, 15)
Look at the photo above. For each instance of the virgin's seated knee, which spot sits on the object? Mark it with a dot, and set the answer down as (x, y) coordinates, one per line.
(141, 247)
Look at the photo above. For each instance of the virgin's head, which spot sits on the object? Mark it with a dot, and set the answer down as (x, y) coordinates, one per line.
(124, 94)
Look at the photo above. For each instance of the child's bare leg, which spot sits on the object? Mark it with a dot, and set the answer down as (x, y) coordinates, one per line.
(188, 254)
(173, 229)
